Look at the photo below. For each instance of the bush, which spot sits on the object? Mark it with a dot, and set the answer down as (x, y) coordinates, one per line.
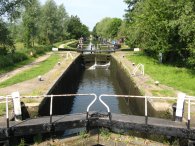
(11, 59)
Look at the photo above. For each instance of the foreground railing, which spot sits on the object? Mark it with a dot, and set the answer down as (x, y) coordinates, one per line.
(9, 98)
(146, 98)
(180, 103)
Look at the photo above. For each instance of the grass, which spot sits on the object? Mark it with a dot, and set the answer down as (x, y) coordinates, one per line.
(67, 44)
(41, 69)
(181, 79)
(2, 109)
(17, 65)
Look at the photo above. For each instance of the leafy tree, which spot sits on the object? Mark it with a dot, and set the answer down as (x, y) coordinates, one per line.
(102, 27)
(49, 21)
(63, 19)
(108, 27)
(30, 22)
(11, 7)
(76, 28)
(6, 42)
(114, 26)
(163, 26)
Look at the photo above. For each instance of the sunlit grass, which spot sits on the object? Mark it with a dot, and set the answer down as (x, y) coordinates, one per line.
(179, 78)
(41, 69)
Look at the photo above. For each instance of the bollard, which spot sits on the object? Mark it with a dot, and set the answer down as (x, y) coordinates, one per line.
(180, 107)
(39, 78)
(17, 106)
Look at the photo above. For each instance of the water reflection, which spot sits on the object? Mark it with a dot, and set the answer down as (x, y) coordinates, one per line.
(99, 81)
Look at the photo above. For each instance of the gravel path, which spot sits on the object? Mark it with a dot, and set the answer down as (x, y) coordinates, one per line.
(34, 86)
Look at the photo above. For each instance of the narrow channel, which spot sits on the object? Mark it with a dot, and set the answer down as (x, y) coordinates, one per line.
(79, 79)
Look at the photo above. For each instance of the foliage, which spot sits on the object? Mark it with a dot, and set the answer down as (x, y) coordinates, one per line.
(22, 142)
(30, 19)
(6, 42)
(76, 28)
(105, 133)
(107, 28)
(163, 26)
(2, 109)
(83, 134)
(11, 59)
(11, 7)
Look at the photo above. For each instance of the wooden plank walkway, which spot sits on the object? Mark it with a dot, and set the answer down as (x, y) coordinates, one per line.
(118, 123)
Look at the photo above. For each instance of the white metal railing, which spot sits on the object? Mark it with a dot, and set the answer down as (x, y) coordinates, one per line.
(139, 66)
(187, 98)
(8, 98)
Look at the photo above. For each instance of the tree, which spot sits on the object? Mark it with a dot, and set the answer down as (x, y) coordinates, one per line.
(163, 26)
(114, 26)
(30, 22)
(49, 26)
(6, 42)
(102, 27)
(76, 28)
(107, 27)
(63, 19)
(11, 7)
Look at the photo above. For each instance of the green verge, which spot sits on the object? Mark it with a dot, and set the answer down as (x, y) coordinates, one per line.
(16, 65)
(181, 79)
(41, 69)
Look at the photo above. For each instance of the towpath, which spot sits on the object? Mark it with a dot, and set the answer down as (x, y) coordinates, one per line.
(34, 86)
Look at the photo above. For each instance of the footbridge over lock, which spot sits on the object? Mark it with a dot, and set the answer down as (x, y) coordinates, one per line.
(90, 120)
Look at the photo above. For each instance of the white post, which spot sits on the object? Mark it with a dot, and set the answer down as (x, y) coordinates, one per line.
(146, 110)
(7, 111)
(17, 106)
(188, 112)
(51, 108)
(180, 105)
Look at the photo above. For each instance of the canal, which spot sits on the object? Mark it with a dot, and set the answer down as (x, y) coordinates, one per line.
(79, 79)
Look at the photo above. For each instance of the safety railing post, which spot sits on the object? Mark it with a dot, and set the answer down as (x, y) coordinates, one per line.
(51, 108)
(146, 110)
(108, 109)
(7, 112)
(189, 112)
(87, 115)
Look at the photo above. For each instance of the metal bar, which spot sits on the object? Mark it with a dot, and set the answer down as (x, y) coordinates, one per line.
(51, 108)
(146, 110)
(125, 96)
(134, 96)
(188, 113)
(7, 112)
(88, 107)
(92, 102)
(100, 98)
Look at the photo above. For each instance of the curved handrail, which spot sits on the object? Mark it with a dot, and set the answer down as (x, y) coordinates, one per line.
(92, 101)
(100, 98)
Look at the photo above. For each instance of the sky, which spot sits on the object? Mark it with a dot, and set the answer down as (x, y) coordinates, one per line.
(92, 11)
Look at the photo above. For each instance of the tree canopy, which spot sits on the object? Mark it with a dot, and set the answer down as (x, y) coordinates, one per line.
(163, 26)
(32, 23)
(107, 27)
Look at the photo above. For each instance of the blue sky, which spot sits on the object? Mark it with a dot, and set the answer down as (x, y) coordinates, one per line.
(92, 11)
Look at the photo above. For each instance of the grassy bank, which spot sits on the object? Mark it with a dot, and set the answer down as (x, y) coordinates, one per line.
(40, 69)
(68, 44)
(181, 79)
(21, 57)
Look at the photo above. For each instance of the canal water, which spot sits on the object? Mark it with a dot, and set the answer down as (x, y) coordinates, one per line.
(99, 81)
(79, 79)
